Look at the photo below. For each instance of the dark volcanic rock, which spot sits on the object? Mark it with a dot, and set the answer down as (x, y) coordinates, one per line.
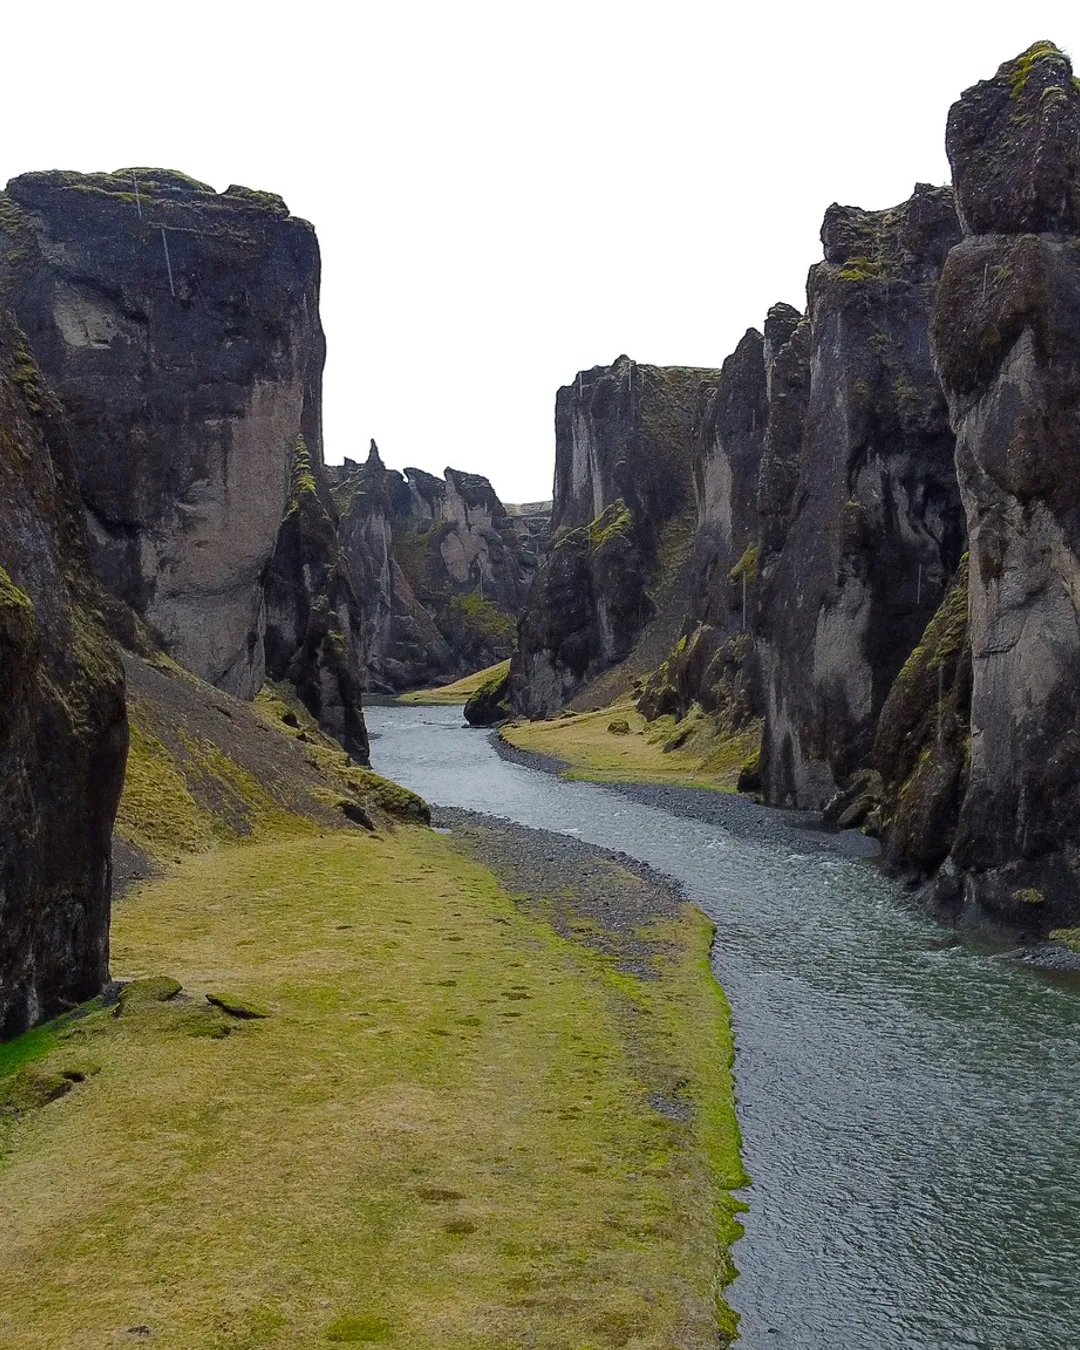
(624, 438)
(876, 528)
(63, 730)
(490, 704)
(314, 618)
(180, 329)
(1014, 146)
(1007, 346)
(707, 664)
(922, 745)
(444, 570)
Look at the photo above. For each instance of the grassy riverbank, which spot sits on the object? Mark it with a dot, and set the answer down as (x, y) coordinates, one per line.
(691, 753)
(441, 1136)
(458, 692)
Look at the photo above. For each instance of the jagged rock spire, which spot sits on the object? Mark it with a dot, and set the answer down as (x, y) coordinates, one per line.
(1014, 146)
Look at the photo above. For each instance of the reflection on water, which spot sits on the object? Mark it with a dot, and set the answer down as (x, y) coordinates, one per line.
(908, 1104)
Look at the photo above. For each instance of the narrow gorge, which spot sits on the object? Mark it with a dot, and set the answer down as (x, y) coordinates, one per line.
(325, 1018)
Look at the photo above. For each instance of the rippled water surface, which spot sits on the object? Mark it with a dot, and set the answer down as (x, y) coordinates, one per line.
(910, 1106)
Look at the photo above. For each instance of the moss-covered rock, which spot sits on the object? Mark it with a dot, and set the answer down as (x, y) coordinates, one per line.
(63, 730)
(490, 704)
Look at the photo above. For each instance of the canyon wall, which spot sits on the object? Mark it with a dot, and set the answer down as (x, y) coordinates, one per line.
(1007, 347)
(623, 473)
(442, 567)
(63, 729)
(180, 329)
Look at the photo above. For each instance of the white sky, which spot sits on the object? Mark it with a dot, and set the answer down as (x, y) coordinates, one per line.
(506, 192)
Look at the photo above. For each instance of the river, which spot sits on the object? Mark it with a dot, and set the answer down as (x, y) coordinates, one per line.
(908, 1103)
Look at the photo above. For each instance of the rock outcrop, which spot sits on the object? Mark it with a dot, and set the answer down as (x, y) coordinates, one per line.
(876, 528)
(442, 568)
(314, 627)
(63, 729)
(180, 329)
(623, 472)
(1007, 347)
(829, 518)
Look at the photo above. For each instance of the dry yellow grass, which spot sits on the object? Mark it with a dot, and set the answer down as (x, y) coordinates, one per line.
(458, 692)
(440, 1138)
(704, 758)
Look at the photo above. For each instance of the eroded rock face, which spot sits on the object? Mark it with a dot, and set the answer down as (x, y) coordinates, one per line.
(180, 329)
(442, 569)
(63, 728)
(1007, 345)
(624, 437)
(314, 616)
(872, 531)
(707, 664)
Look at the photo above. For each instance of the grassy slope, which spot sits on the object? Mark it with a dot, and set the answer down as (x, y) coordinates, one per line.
(441, 1132)
(584, 742)
(458, 692)
(440, 1137)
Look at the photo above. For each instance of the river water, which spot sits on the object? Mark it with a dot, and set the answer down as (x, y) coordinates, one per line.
(910, 1106)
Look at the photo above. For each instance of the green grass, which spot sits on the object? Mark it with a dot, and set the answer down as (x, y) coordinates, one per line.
(439, 1137)
(460, 691)
(690, 753)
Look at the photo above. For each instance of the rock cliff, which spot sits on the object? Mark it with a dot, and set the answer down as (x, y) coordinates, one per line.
(623, 472)
(180, 329)
(829, 518)
(63, 730)
(442, 567)
(876, 528)
(1007, 347)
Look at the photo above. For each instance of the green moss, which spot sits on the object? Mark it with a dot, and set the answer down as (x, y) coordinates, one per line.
(235, 1006)
(747, 566)
(945, 632)
(25, 374)
(1020, 72)
(860, 269)
(303, 479)
(1069, 937)
(484, 681)
(151, 989)
(32, 1087)
(12, 221)
(157, 811)
(1028, 895)
(480, 620)
(390, 797)
(614, 523)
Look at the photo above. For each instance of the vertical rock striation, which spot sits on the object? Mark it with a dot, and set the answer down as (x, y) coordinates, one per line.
(442, 569)
(1007, 347)
(623, 472)
(63, 729)
(872, 532)
(180, 329)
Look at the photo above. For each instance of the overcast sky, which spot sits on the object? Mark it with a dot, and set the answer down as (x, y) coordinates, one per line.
(506, 193)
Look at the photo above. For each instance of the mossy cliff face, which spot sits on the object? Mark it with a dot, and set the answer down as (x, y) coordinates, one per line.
(829, 519)
(872, 531)
(314, 615)
(445, 570)
(63, 729)
(922, 747)
(180, 329)
(1007, 346)
(624, 440)
(705, 665)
